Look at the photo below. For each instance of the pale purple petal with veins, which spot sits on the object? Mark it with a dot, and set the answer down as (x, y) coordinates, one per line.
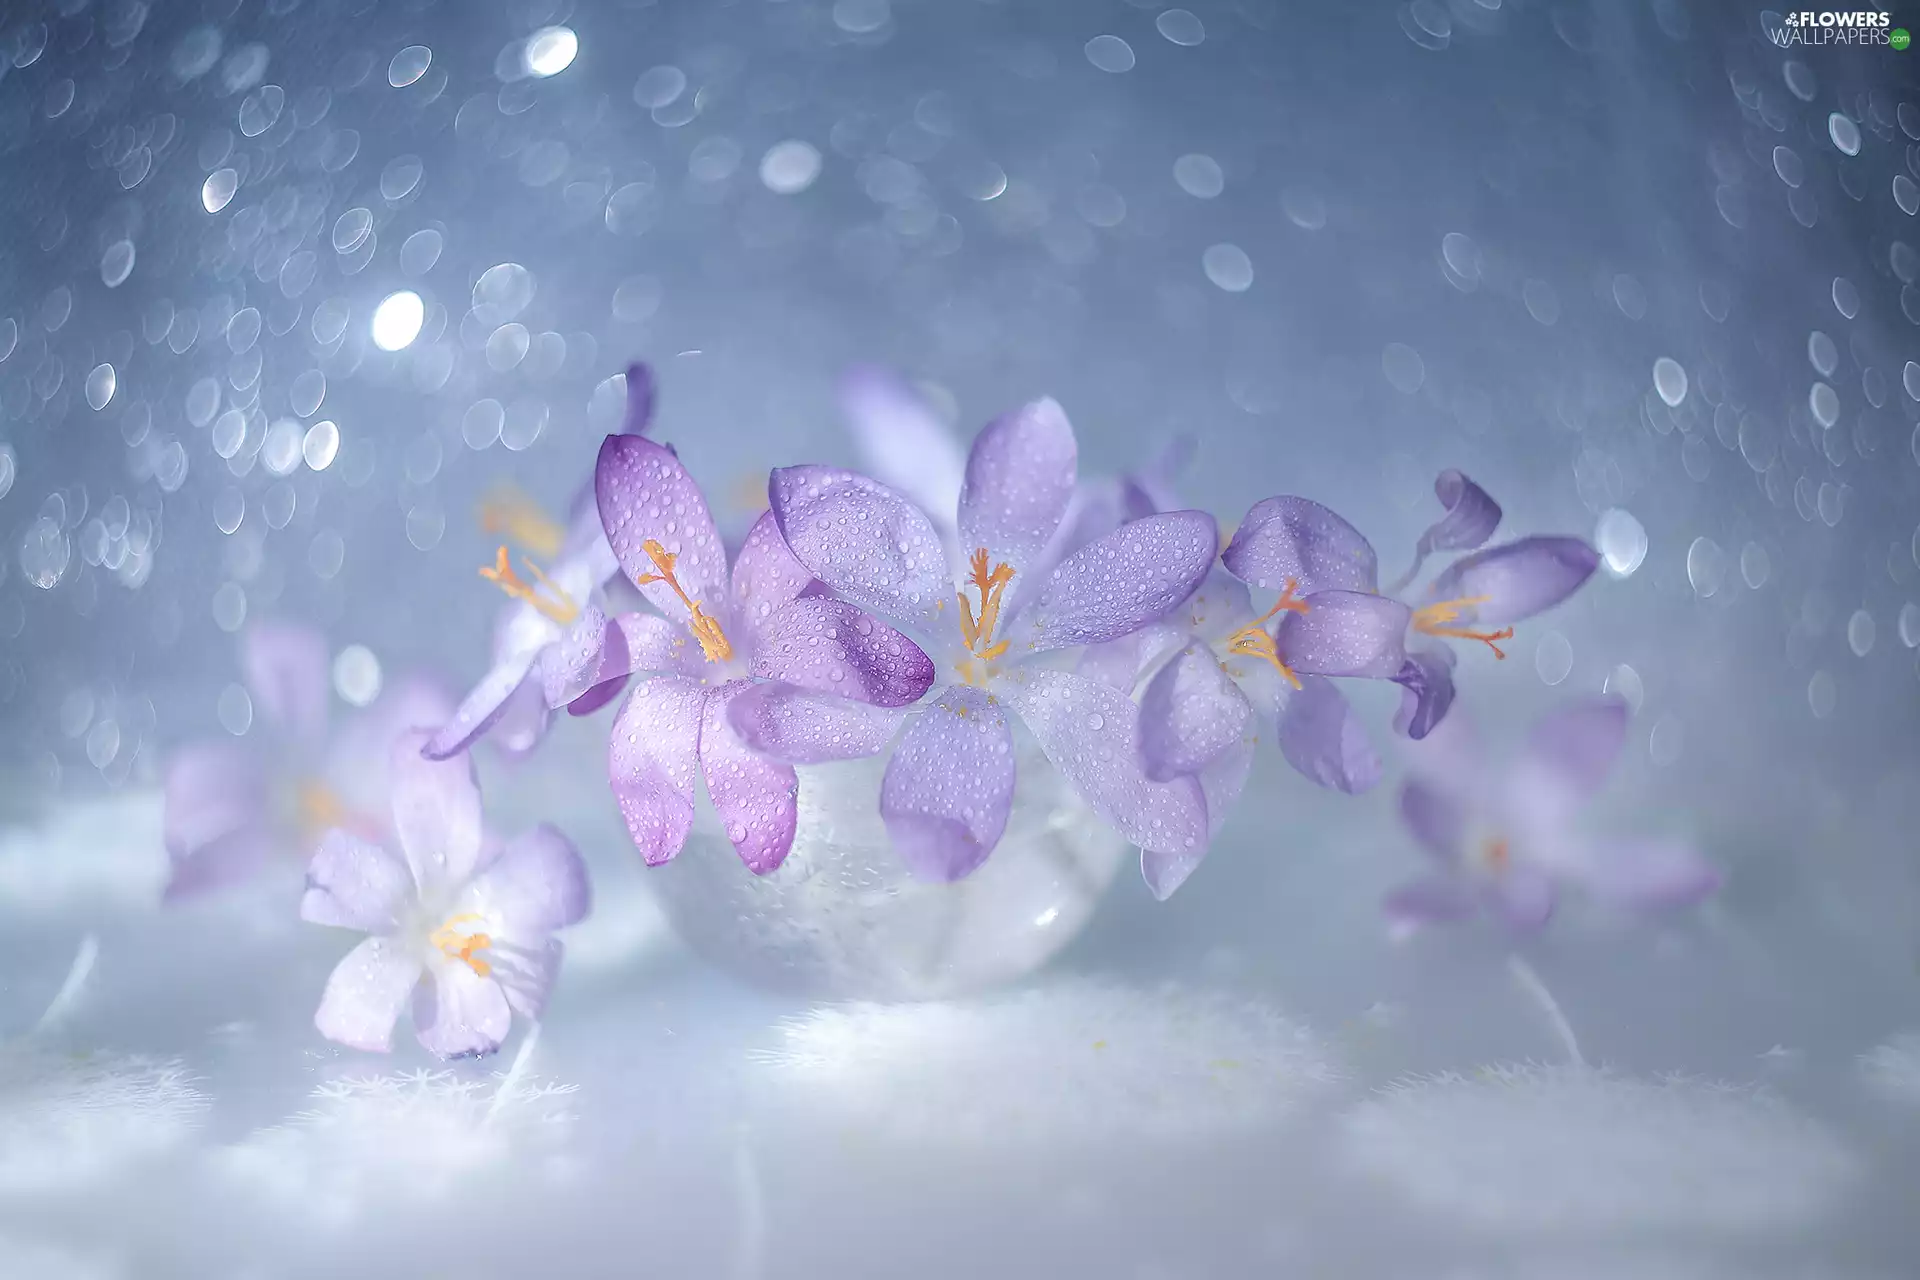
(904, 443)
(527, 975)
(1515, 580)
(523, 722)
(459, 1014)
(766, 575)
(589, 652)
(1287, 539)
(1221, 783)
(436, 813)
(1426, 683)
(365, 993)
(289, 674)
(482, 708)
(651, 757)
(1121, 662)
(866, 542)
(1471, 518)
(1190, 712)
(536, 885)
(757, 798)
(1020, 478)
(1135, 575)
(1324, 740)
(949, 787)
(655, 645)
(644, 494)
(1345, 633)
(832, 646)
(803, 727)
(353, 884)
(1091, 732)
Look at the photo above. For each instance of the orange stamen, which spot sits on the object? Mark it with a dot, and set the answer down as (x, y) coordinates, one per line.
(1497, 853)
(977, 629)
(556, 605)
(1255, 641)
(1437, 619)
(319, 806)
(456, 945)
(506, 510)
(713, 641)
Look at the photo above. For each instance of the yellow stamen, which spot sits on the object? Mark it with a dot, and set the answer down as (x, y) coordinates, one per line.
(319, 806)
(1255, 641)
(456, 945)
(506, 510)
(556, 604)
(977, 629)
(1438, 619)
(706, 629)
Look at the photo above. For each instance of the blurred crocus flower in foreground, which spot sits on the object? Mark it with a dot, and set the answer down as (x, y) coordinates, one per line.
(461, 923)
(1504, 838)
(554, 646)
(232, 808)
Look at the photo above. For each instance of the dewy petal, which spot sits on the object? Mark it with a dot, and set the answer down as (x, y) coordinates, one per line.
(289, 674)
(523, 722)
(538, 884)
(1221, 783)
(1436, 819)
(655, 645)
(209, 790)
(459, 1014)
(1324, 740)
(1516, 580)
(831, 646)
(574, 663)
(1647, 873)
(642, 397)
(1091, 732)
(1135, 575)
(482, 708)
(651, 757)
(1285, 539)
(365, 993)
(802, 727)
(1426, 683)
(757, 798)
(866, 542)
(949, 787)
(1346, 633)
(353, 884)
(436, 813)
(1020, 478)
(1430, 900)
(645, 495)
(1572, 749)
(1190, 712)
(903, 442)
(766, 575)
(1471, 518)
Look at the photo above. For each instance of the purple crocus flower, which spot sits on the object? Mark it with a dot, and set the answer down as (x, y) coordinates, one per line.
(1344, 626)
(460, 923)
(949, 786)
(553, 647)
(834, 669)
(1504, 840)
(230, 809)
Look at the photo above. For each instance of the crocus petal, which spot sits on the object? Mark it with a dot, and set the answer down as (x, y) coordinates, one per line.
(866, 542)
(523, 721)
(1291, 540)
(436, 813)
(655, 645)
(365, 994)
(236, 856)
(1120, 583)
(831, 646)
(765, 575)
(1470, 520)
(1149, 490)
(1020, 477)
(1221, 783)
(1572, 749)
(1091, 732)
(1426, 683)
(1436, 819)
(1190, 712)
(802, 727)
(356, 760)
(1324, 740)
(1515, 580)
(642, 396)
(574, 663)
(646, 496)
(354, 884)
(1346, 633)
(651, 756)
(482, 708)
(536, 885)
(1524, 897)
(210, 789)
(757, 798)
(1430, 900)
(1646, 874)
(949, 787)
(459, 1014)
(289, 674)
(526, 975)
(903, 442)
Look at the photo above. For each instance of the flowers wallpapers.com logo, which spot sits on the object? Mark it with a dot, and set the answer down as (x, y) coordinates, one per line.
(1831, 27)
